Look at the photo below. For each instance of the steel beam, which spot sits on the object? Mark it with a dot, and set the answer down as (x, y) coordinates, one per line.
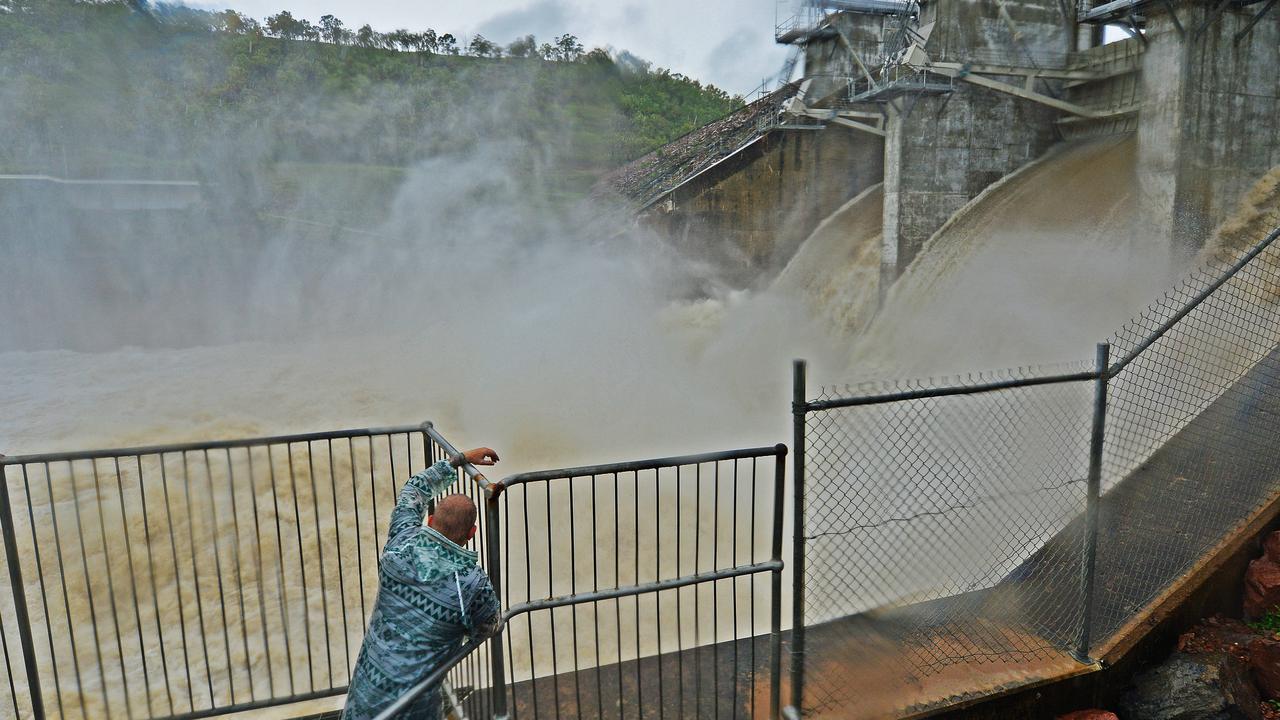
(1016, 91)
(1254, 21)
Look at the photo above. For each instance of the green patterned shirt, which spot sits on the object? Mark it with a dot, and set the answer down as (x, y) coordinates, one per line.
(432, 595)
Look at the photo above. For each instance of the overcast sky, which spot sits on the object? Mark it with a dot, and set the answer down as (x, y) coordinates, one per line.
(726, 42)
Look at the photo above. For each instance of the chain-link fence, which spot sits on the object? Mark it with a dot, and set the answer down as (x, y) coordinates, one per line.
(956, 540)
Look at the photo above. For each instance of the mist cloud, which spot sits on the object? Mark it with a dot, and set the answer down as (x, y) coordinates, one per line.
(544, 20)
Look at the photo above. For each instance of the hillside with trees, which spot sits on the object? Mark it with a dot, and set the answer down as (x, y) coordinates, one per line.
(119, 88)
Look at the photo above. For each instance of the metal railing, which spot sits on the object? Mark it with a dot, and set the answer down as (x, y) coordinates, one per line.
(1005, 528)
(635, 589)
(196, 579)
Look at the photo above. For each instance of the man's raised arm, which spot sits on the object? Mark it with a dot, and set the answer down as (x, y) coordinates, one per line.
(411, 505)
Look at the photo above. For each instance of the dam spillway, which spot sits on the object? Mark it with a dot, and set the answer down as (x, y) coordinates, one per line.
(926, 145)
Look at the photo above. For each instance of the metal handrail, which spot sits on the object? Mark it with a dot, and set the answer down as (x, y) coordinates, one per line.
(638, 465)
(467, 468)
(438, 675)
(1195, 302)
(217, 444)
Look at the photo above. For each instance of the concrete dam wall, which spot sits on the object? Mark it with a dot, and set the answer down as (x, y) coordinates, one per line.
(938, 101)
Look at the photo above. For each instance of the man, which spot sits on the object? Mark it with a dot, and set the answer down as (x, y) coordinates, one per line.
(431, 594)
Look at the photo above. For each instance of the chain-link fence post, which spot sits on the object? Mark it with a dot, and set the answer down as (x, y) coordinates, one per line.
(19, 598)
(1101, 367)
(798, 408)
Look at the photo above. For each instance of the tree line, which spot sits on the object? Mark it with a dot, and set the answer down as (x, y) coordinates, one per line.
(330, 29)
(105, 87)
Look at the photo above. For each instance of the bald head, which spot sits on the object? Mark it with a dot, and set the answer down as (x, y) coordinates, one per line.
(455, 518)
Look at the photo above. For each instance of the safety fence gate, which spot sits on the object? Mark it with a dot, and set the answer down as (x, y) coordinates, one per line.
(960, 539)
(632, 590)
(194, 580)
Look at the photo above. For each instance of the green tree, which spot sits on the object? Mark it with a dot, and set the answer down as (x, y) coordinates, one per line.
(427, 41)
(400, 39)
(233, 22)
(567, 48)
(482, 47)
(523, 47)
(448, 44)
(332, 30)
(284, 25)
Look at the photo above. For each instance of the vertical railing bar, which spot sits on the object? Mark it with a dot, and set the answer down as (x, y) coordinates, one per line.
(155, 595)
(133, 580)
(177, 580)
(355, 504)
(498, 684)
(324, 585)
(500, 650)
(284, 593)
(754, 464)
(551, 573)
(258, 574)
(679, 591)
(373, 494)
(715, 591)
(217, 569)
(235, 555)
(44, 596)
(528, 594)
(302, 565)
(502, 516)
(775, 591)
(337, 538)
(798, 529)
(1096, 439)
(617, 582)
(482, 702)
(8, 663)
(84, 559)
(391, 455)
(697, 594)
(195, 571)
(488, 551)
(509, 705)
(657, 597)
(19, 604)
(573, 590)
(635, 505)
(484, 654)
(595, 586)
(734, 584)
(111, 586)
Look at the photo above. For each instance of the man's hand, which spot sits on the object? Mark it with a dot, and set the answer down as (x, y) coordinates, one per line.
(475, 456)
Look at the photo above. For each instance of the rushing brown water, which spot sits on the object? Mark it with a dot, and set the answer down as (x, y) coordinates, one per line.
(1035, 271)
(591, 364)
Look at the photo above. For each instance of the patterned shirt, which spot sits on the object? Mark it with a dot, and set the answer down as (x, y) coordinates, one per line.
(431, 596)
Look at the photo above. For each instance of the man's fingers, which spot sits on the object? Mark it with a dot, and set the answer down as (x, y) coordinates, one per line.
(481, 456)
